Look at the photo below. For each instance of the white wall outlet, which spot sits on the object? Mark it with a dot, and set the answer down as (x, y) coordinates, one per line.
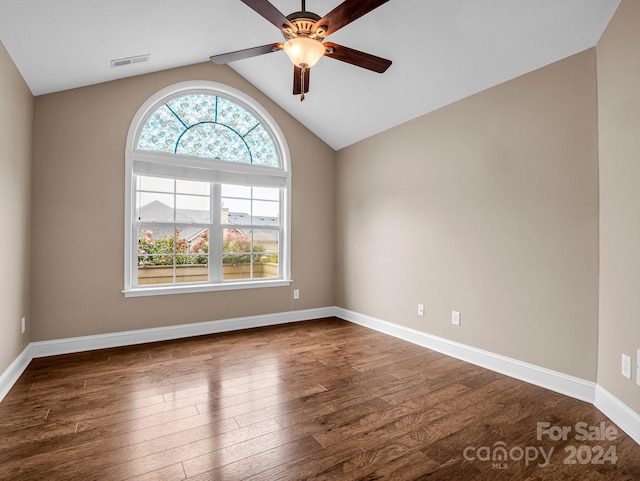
(421, 310)
(626, 366)
(23, 324)
(296, 293)
(455, 318)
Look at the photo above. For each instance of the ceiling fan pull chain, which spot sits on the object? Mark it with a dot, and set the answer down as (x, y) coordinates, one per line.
(302, 71)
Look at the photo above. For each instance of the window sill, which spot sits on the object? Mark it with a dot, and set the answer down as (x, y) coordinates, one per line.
(192, 288)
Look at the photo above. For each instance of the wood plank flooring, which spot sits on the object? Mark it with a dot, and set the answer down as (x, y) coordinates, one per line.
(318, 400)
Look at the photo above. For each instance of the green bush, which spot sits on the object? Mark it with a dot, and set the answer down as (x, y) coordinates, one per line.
(159, 251)
(236, 249)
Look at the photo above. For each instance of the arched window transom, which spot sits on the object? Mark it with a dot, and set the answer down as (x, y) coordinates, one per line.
(209, 126)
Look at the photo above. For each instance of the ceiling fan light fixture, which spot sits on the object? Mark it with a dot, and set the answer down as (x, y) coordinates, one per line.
(304, 52)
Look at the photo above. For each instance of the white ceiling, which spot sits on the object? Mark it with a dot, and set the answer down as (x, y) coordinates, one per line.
(442, 50)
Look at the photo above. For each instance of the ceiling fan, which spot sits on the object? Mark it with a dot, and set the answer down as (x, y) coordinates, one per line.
(304, 34)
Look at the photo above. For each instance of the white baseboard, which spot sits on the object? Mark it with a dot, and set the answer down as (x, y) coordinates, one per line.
(11, 375)
(142, 336)
(627, 419)
(546, 378)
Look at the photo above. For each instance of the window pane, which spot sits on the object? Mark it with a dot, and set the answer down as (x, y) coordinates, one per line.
(192, 246)
(155, 243)
(263, 149)
(192, 187)
(199, 246)
(161, 131)
(230, 190)
(235, 264)
(236, 211)
(263, 220)
(193, 255)
(266, 241)
(154, 265)
(155, 207)
(194, 108)
(244, 259)
(266, 212)
(235, 116)
(266, 193)
(234, 267)
(155, 184)
(192, 208)
(213, 141)
(235, 240)
(192, 272)
(155, 270)
(266, 257)
(265, 260)
(265, 266)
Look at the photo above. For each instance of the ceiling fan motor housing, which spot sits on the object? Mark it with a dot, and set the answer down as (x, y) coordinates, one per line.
(304, 22)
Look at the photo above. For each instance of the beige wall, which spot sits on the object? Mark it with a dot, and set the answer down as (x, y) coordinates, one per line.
(78, 212)
(619, 126)
(488, 206)
(16, 117)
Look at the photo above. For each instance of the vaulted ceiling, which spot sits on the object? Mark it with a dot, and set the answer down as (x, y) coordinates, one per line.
(442, 50)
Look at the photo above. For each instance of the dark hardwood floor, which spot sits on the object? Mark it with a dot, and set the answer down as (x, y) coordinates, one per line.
(318, 400)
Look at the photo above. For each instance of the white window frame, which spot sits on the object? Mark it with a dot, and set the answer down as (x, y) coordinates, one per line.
(139, 162)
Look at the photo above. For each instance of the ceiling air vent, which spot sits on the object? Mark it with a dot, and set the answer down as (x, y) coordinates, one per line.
(121, 62)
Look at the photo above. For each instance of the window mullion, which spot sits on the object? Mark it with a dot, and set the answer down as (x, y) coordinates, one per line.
(133, 236)
(252, 235)
(175, 233)
(215, 236)
(281, 239)
(134, 253)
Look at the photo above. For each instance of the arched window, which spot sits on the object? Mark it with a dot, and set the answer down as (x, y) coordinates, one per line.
(207, 194)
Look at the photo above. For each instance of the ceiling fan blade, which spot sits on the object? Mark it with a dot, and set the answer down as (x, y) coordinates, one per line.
(246, 53)
(345, 13)
(355, 57)
(297, 80)
(271, 13)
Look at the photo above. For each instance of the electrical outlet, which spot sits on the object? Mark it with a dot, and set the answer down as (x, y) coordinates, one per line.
(626, 366)
(296, 293)
(421, 310)
(23, 324)
(455, 318)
